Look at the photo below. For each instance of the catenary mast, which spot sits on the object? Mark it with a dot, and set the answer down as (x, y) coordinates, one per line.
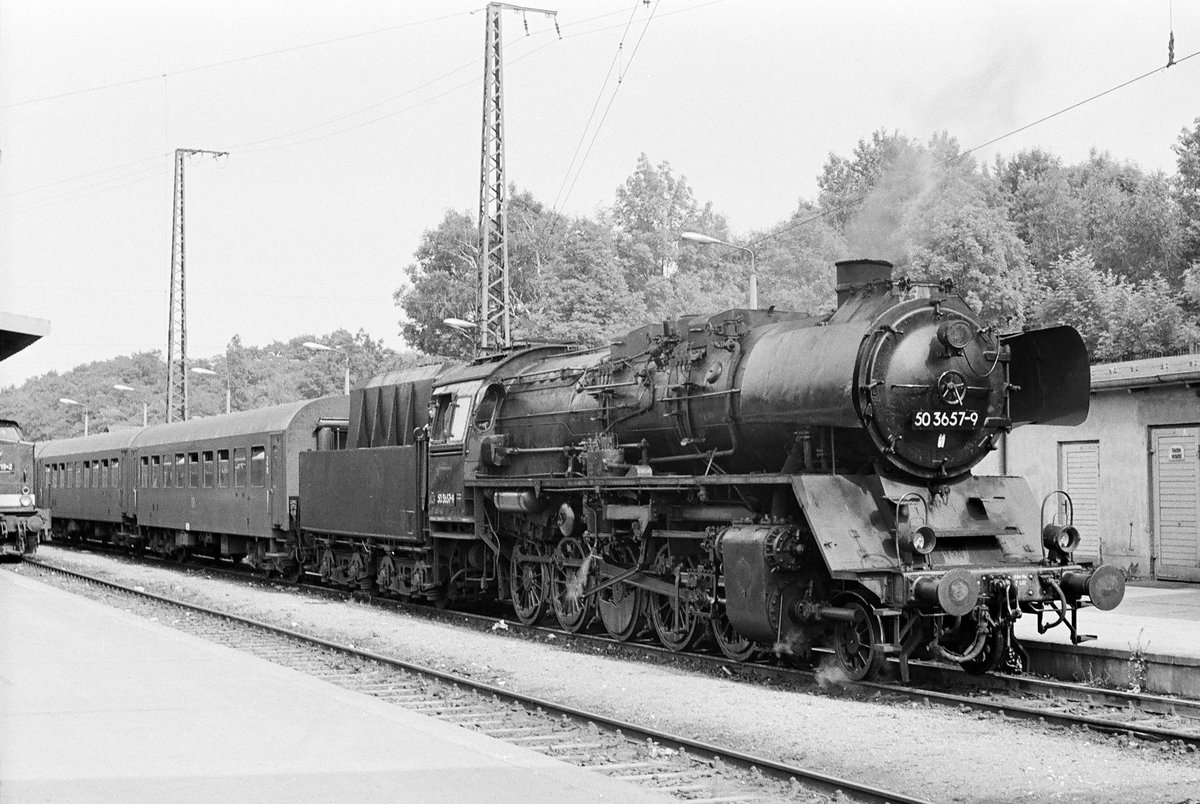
(177, 385)
(492, 291)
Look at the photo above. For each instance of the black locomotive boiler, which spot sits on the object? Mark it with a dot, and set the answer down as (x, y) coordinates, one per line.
(770, 479)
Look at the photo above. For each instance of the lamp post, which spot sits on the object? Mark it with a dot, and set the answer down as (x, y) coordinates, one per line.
(66, 401)
(320, 347)
(145, 403)
(228, 389)
(709, 240)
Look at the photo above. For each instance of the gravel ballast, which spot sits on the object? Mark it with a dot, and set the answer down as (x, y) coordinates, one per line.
(940, 754)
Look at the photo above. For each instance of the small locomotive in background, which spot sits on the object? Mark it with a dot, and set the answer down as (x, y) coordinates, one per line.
(21, 521)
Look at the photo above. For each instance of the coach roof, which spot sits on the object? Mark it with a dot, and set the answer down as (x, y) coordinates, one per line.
(100, 442)
(249, 422)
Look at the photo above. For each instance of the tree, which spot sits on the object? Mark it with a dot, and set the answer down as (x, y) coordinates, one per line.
(1125, 218)
(795, 262)
(927, 209)
(651, 208)
(845, 181)
(441, 286)
(582, 294)
(1118, 319)
(1186, 188)
(442, 281)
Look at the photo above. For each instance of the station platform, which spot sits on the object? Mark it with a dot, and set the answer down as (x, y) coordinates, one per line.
(1151, 640)
(100, 705)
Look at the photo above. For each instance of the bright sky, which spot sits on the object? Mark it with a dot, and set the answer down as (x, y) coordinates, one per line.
(353, 127)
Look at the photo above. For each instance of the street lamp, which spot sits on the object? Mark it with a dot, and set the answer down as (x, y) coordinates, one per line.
(320, 347)
(145, 403)
(709, 240)
(228, 389)
(64, 400)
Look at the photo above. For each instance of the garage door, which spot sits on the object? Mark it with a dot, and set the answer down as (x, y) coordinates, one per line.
(1079, 476)
(1175, 497)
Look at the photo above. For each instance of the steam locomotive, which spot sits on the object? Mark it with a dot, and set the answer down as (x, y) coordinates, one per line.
(768, 480)
(21, 521)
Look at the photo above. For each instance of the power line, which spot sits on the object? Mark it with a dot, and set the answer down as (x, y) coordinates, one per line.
(554, 217)
(856, 200)
(226, 62)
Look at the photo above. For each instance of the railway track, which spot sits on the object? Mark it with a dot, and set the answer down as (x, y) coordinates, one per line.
(1061, 703)
(688, 769)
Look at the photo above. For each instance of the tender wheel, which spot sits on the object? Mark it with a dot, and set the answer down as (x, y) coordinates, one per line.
(567, 584)
(527, 584)
(359, 574)
(676, 621)
(858, 645)
(732, 644)
(622, 606)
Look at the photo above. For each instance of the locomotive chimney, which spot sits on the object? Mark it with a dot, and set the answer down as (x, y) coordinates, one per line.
(854, 274)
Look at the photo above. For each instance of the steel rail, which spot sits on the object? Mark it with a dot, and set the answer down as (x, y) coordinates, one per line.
(986, 684)
(823, 782)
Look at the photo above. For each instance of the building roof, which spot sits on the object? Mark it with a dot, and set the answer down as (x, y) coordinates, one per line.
(1151, 372)
(18, 331)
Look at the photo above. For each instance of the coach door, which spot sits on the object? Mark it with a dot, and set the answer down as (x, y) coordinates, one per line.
(1079, 476)
(1175, 500)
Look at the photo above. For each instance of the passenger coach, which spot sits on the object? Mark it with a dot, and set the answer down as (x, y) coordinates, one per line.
(224, 486)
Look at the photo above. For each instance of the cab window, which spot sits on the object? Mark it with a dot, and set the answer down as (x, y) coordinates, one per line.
(451, 414)
(489, 405)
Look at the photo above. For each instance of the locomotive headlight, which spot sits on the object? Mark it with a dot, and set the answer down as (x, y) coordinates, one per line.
(1063, 537)
(26, 499)
(955, 334)
(921, 540)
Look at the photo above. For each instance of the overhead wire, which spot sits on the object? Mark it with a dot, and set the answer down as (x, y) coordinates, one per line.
(250, 147)
(554, 216)
(235, 60)
(858, 199)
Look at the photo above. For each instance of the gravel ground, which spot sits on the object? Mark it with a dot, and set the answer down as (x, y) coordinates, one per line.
(942, 755)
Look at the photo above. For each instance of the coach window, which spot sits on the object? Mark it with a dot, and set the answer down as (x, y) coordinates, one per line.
(258, 466)
(105, 465)
(209, 469)
(239, 467)
(144, 472)
(194, 469)
(116, 472)
(155, 470)
(180, 470)
(87, 475)
(223, 468)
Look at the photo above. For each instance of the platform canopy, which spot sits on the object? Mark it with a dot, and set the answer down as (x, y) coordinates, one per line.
(18, 331)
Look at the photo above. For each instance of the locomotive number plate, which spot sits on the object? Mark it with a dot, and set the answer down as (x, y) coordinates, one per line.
(6, 468)
(945, 419)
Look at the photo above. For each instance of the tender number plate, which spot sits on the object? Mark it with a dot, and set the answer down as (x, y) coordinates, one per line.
(945, 419)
